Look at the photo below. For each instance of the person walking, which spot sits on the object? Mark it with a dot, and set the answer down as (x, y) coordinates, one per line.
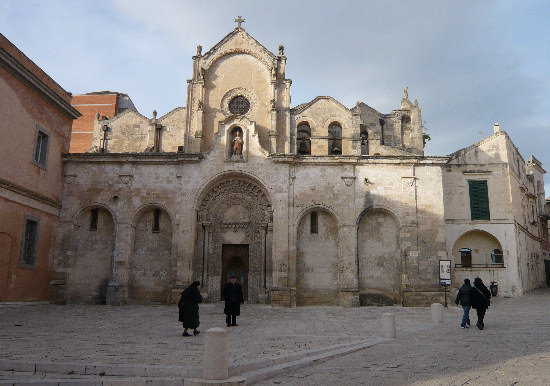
(189, 308)
(480, 300)
(233, 296)
(463, 297)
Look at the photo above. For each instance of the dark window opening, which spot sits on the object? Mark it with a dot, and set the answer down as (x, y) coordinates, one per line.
(334, 139)
(29, 244)
(364, 140)
(156, 220)
(497, 257)
(479, 200)
(41, 148)
(303, 139)
(466, 257)
(94, 215)
(313, 223)
(381, 121)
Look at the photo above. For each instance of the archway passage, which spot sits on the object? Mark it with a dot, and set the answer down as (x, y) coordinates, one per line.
(378, 254)
(5, 264)
(235, 263)
(317, 259)
(477, 249)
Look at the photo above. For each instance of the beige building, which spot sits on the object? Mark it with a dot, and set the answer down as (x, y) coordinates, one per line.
(312, 204)
(35, 126)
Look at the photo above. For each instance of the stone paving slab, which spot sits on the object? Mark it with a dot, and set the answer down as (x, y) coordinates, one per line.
(515, 344)
(513, 349)
(151, 335)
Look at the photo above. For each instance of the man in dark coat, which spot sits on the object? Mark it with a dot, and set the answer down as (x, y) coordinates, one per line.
(189, 308)
(233, 296)
(463, 296)
(480, 300)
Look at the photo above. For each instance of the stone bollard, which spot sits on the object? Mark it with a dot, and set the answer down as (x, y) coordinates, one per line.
(215, 369)
(216, 349)
(437, 313)
(388, 325)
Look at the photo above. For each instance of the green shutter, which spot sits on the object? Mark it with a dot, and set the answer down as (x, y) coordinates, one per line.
(479, 200)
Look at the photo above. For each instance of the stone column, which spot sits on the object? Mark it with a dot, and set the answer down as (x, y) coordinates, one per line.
(207, 229)
(349, 290)
(117, 289)
(272, 141)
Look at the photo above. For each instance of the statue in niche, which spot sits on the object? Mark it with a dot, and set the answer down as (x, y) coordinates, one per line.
(237, 144)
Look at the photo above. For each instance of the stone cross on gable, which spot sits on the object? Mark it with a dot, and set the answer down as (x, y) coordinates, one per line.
(239, 20)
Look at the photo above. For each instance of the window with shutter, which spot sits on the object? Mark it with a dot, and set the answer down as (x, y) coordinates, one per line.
(479, 200)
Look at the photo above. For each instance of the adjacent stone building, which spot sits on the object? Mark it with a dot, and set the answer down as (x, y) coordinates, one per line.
(99, 105)
(35, 126)
(317, 204)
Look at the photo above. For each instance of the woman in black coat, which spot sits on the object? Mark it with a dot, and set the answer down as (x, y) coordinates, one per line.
(479, 299)
(189, 308)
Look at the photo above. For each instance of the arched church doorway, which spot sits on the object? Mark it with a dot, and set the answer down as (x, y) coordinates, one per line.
(235, 213)
(235, 263)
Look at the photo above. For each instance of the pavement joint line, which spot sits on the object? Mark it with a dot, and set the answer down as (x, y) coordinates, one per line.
(252, 377)
(270, 372)
(162, 370)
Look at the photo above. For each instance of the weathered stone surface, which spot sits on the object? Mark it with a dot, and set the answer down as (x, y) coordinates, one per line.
(240, 194)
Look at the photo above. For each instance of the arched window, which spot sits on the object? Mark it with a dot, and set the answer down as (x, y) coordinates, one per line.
(334, 139)
(303, 138)
(94, 215)
(496, 256)
(364, 140)
(156, 220)
(313, 223)
(466, 257)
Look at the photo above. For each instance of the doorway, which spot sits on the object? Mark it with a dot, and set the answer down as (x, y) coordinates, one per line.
(5, 265)
(235, 263)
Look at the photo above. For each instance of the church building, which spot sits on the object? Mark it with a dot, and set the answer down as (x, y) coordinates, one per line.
(313, 204)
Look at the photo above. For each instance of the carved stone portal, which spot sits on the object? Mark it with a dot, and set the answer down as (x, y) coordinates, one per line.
(235, 212)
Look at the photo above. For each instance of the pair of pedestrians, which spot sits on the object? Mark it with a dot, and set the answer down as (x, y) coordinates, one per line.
(473, 297)
(189, 305)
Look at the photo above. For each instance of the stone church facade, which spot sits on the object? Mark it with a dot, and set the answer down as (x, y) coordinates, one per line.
(317, 204)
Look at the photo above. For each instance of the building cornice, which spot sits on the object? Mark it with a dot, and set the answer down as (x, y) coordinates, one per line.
(34, 83)
(143, 158)
(29, 194)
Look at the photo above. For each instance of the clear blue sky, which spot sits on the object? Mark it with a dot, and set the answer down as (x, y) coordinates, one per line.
(469, 63)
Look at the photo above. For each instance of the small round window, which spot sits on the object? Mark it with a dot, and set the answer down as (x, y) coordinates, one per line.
(239, 105)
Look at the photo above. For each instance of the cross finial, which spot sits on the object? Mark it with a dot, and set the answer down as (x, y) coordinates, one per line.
(239, 20)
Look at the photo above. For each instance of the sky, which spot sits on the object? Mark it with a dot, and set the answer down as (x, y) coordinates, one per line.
(469, 64)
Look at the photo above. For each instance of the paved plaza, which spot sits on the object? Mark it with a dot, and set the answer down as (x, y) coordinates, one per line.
(77, 344)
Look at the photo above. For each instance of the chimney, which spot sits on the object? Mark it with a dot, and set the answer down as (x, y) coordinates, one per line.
(496, 128)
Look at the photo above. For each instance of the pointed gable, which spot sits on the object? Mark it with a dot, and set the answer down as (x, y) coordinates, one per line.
(238, 41)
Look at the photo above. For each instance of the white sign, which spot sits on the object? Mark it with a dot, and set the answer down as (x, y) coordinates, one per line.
(445, 272)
